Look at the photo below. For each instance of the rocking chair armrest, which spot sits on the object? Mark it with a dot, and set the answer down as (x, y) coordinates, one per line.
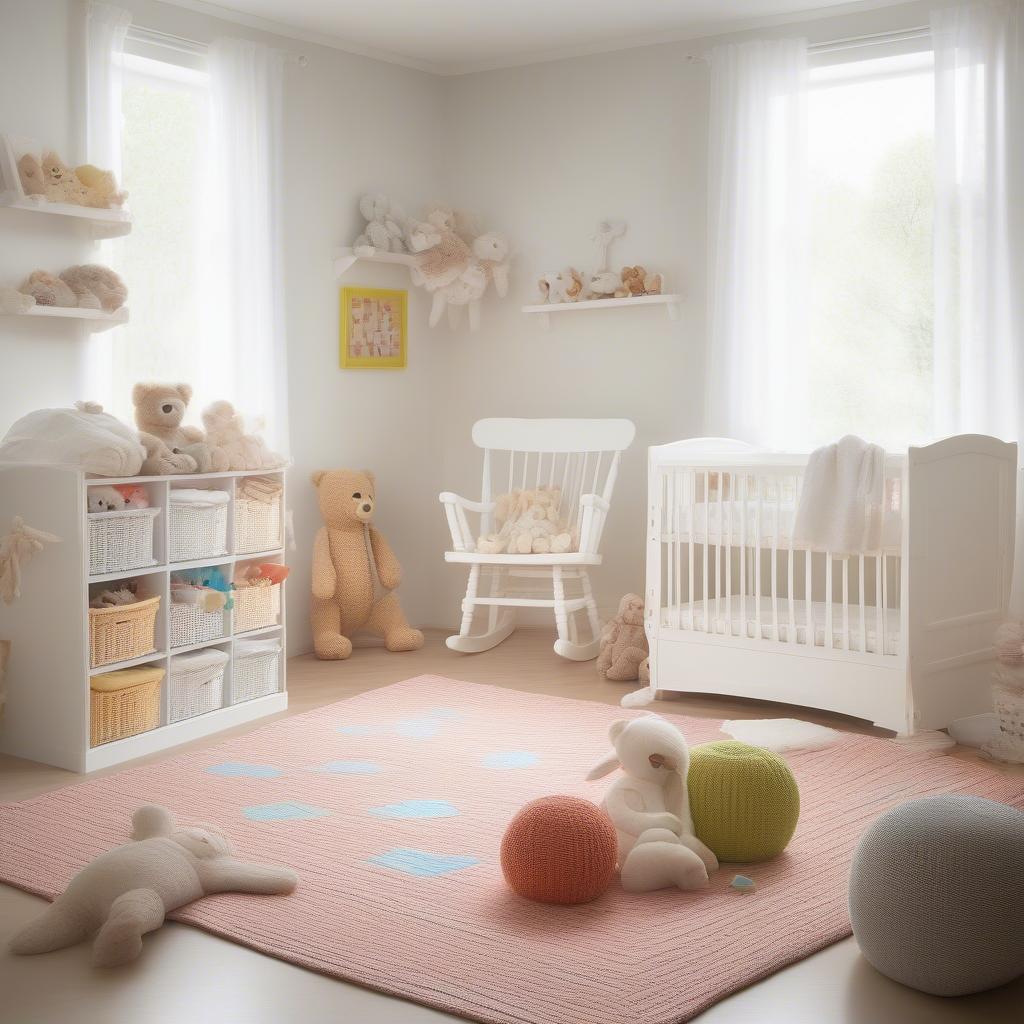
(594, 500)
(451, 498)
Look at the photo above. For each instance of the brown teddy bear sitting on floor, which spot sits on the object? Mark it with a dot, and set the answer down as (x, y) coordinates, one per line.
(624, 642)
(345, 573)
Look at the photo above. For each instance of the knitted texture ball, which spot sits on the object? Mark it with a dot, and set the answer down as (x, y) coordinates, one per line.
(559, 849)
(744, 800)
(936, 900)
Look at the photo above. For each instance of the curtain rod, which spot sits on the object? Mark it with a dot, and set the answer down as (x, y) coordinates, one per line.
(850, 42)
(183, 45)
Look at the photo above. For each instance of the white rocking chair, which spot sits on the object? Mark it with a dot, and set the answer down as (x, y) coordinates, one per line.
(581, 457)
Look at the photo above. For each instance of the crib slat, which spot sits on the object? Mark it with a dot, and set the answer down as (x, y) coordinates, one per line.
(744, 556)
(775, 561)
(707, 544)
(728, 555)
(879, 649)
(789, 582)
(885, 603)
(692, 474)
(757, 556)
(846, 604)
(677, 543)
(863, 611)
(718, 546)
(828, 600)
(809, 627)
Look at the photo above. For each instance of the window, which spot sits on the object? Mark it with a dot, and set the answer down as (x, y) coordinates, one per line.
(870, 323)
(165, 107)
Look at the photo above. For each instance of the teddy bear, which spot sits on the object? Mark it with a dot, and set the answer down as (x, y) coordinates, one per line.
(48, 290)
(528, 522)
(104, 499)
(126, 892)
(30, 172)
(623, 642)
(633, 279)
(225, 430)
(59, 182)
(99, 188)
(565, 286)
(159, 410)
(95, 287)
(343, 585)
(384, 231)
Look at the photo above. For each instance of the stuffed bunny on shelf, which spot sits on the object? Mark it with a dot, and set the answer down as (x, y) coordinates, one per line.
(650, 807)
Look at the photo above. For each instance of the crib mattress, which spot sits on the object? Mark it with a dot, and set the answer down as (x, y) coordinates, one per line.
(732, 608)
(723, 523)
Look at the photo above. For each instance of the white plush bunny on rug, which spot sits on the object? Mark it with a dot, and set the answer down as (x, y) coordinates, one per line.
(650, 807)
(126, 892)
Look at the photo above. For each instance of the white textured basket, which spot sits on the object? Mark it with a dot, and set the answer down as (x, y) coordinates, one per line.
(121, 540)
(198, 528)
(256, 671)
(191, 625)
(256, 607)
(257, 525)
(196, 684)
(1008, 745)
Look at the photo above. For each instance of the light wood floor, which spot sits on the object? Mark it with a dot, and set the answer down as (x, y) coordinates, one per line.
(186, 975)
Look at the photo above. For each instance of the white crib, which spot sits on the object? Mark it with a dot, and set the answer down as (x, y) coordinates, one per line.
(901, 636)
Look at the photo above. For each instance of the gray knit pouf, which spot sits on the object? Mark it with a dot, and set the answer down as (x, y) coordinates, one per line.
(937, 894)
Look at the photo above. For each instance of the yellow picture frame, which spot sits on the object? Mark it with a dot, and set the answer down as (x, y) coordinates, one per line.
(374, 328)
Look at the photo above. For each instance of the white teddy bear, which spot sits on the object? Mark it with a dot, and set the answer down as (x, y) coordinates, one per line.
(385, 230)
(529, 523)
(225, 430)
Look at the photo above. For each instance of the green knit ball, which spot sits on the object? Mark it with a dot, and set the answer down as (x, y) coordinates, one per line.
(744, 800)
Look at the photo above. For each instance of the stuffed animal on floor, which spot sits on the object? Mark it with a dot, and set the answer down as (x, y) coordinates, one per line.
(347, 553)
(129, 890)
(225, 430)
(624, 644)
(95, 287)
(650, 807)
(159, 410)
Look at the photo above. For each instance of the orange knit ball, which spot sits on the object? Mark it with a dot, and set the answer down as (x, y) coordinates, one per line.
(559, 849)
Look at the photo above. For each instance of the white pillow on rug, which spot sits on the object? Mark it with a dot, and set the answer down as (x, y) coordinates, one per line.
(779, 734)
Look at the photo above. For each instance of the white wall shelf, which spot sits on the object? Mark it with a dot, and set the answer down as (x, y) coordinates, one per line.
(345, 258)
(47, 713)
(95, 320)
(670, 302)
(101, 223)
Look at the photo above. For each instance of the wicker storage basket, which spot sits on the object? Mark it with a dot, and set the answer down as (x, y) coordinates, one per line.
(198, 524)
(121, 540)
(257, 525)
(189, 624)
(122, 632)
(256, 607)
(256, 671)
(124, 703)
(196, 684)
(1008, 745)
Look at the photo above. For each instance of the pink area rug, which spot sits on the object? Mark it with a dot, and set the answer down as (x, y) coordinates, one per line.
(391, 807)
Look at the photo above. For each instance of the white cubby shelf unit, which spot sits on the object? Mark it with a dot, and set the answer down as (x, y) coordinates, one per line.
(46, 717)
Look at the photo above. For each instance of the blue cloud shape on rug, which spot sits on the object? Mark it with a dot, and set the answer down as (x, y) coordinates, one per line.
(349, 768)
(421, 863)
(505, 759)
(289, 810)
(416, 809)
(232, 769)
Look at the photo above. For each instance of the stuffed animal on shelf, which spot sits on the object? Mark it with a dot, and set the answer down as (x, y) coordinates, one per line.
(48, 290)
(624, 645)
(565, 286)
(464, 292)
(529, 522)
(638, 281)
(225, 430)
(650, 807)
(134, 495)
(344, 601)
(384, 230)
(95, 287)
(59, 182)
(207, 587)
(607, 232)
(492, 252)
(104, 499)
(441, 254)
(606, 284)
(13, 301)
(30, 173)
(128, 891)
(99, 188)
(159, 410)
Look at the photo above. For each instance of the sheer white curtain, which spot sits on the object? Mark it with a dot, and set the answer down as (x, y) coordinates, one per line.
(757, 241)
(979, 219)
(244, 280)
(105, 30)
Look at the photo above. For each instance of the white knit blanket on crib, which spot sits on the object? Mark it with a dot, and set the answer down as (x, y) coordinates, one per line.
(841, 502)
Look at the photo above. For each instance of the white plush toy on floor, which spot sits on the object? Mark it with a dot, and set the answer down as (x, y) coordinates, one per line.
(650, 807)
(127, 891)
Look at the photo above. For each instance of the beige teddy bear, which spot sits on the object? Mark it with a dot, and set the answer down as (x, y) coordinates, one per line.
(344, 592)
(59, 182)
(99, 188)
(624, 645)
(528, 522)
(96, 287)
(225, 430)
(48, 290)
(159, 410)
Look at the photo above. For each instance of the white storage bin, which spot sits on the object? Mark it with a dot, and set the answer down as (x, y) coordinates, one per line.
(257, 669)
(191, 625)
(196, 684)
(121, 540)
(198, 524)
(257, 525)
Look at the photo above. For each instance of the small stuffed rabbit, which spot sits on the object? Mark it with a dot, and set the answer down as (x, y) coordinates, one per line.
(650, 806)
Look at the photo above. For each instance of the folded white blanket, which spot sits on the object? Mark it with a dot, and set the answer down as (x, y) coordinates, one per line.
(841, 502)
